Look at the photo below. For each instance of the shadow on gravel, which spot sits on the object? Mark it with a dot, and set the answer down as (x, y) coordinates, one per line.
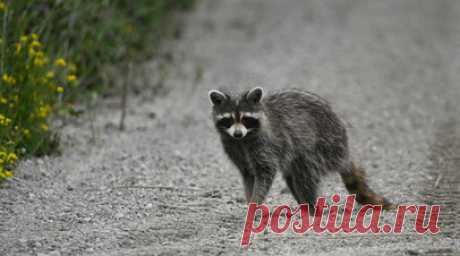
(444, 189)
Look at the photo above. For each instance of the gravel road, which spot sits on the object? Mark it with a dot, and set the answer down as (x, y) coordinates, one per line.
(391, 69)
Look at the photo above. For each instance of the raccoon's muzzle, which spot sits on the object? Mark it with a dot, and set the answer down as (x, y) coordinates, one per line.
(238, 134)
(237, 131)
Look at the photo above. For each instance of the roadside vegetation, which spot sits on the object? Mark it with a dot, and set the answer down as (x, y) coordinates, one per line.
(53, 53)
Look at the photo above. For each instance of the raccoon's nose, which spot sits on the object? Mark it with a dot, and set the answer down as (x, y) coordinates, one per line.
(237, 134)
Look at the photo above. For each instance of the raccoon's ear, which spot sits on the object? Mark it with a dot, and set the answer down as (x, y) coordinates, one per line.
(255, 95)
(216, 97)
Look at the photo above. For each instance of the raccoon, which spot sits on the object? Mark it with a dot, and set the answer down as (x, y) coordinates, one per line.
(294, 132)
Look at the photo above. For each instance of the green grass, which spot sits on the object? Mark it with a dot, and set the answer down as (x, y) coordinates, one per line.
(53, 51)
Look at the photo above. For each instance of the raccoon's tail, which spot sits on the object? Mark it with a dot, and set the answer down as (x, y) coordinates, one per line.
(355, 182)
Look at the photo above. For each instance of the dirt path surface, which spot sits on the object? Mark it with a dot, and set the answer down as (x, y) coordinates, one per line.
(164, 187)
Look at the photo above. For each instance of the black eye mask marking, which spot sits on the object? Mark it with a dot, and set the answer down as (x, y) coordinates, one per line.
(250, 122)
(225, 123)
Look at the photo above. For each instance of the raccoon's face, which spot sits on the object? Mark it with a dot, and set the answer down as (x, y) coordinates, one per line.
(237, 116)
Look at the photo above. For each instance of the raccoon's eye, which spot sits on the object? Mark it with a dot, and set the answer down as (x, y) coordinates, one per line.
(225, 123)
(250, 122)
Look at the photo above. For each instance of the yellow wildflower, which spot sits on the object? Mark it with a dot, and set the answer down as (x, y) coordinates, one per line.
(12, 158)
(40, 54)
(60, 62)
(4, 120)
(18, 48)
(59, 89)
(9, 79)
(32, 52)
(2, 6)
(71, 78)
(35, 44)
(39, 61)
(50, 74)
(44, 111)
(34, 36)
(44, 127)
(26, 132)
(23, 39)
(3, 100)
(8, 174)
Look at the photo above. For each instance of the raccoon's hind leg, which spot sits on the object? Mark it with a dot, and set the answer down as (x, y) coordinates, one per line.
(306, 190)
(290, 185)
(303, 182)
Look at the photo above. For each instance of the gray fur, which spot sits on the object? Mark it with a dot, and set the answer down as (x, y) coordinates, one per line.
(299, 135)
